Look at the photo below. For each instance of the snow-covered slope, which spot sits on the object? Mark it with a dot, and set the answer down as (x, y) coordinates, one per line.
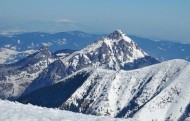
(13, 111)
(16, 77)
(64, 53)
(156, 92)
(116, 51)
(11, 55)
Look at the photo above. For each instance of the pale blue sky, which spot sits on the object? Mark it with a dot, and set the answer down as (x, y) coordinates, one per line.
(157, 19)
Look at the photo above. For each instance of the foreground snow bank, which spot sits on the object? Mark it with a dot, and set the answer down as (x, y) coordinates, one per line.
(13, 111)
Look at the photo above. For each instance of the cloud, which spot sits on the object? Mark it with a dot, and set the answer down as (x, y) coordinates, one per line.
(64, 20)
(65, 23)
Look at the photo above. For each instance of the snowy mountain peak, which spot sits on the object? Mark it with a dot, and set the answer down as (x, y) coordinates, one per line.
(116, 51)
(117, 34)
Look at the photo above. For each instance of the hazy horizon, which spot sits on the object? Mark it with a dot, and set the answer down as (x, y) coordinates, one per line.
(158, 20)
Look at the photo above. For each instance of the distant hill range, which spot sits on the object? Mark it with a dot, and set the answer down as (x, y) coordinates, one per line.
(163, 50)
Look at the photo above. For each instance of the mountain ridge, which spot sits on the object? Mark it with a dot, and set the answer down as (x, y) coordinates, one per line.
(127, 93)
